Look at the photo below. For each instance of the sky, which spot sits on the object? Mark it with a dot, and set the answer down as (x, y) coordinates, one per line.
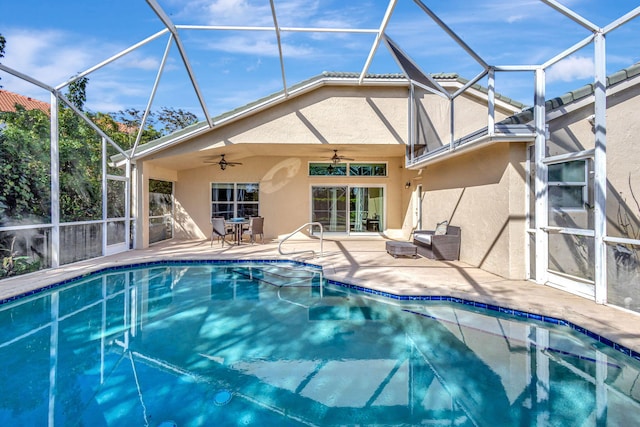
(53, 41)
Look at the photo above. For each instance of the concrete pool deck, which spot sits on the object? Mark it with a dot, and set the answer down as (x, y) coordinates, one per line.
(363, 261)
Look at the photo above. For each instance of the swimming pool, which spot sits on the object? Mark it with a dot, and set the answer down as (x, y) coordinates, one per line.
(273, 343)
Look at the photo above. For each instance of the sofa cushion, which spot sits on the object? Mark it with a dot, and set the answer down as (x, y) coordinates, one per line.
(423, 238)
(441, 228)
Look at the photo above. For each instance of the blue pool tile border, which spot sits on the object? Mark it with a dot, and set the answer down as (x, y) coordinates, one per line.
(491, 307)
(147, 264)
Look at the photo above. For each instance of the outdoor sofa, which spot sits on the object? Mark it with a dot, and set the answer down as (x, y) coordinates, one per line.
(443, 243)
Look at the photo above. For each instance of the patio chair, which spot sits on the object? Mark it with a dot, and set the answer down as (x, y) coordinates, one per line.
(219, 229)
(256, 226)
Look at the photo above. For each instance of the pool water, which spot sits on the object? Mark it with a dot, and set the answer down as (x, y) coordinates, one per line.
(274, 344)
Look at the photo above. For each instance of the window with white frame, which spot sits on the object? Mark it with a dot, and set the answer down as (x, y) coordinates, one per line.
(347, 169)
(235, 200)
(568, 185)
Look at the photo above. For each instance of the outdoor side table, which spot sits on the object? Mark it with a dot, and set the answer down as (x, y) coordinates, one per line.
(401, 249)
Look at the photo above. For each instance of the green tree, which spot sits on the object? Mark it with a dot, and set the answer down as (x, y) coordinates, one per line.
(80, 162)
(174, 120)
(24, 167)
(78, 92)
(25, 183)
(125, 125)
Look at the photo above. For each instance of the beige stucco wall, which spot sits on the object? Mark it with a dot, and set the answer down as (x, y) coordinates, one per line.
(284, 193)
(365, 116)
(623, 164)
(570, 133)
(433, 114)
(483, 192)
(573, 133)
(333, 115)
(471, 114)
(374, 119)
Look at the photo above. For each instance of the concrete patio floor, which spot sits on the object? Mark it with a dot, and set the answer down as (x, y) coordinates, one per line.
(364, 262)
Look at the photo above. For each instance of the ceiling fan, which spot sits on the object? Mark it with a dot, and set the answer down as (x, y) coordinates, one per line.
(337, 159)
(223, 163)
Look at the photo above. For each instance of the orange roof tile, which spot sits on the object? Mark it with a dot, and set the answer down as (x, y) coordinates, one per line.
(8, 100)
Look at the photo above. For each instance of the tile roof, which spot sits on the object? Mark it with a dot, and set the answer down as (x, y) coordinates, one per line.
(526, 116)
(8, 100)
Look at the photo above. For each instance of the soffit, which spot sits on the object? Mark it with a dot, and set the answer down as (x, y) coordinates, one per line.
(317, 152)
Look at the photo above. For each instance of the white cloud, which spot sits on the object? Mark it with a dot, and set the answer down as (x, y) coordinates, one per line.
(222, 12)
(570, 69)
(43, 56)
(139, 62)
(263, 46)
(52, 57)
(495, 11)
(255, 66)
(239, 12)
(515, 18)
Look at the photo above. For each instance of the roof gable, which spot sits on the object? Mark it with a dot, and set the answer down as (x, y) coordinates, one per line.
(327, 78)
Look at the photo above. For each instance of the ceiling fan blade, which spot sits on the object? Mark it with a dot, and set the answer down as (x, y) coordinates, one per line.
(220, 161)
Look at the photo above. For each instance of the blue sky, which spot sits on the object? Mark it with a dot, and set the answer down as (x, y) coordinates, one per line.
(52, 41)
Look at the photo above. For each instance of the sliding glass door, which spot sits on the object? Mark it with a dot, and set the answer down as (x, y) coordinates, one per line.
(348, 209)
(329, 208)
(365, 209)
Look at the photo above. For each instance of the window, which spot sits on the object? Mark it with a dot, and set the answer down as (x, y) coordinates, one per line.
(327, 169)
(568, 185)
(368, 169)
(344, 169)
(235, 200)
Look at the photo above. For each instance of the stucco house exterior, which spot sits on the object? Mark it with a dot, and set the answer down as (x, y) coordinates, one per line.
(282, 140)
(408, 163)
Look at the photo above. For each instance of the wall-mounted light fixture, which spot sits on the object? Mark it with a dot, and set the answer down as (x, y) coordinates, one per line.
(592, 121)
(407, 185)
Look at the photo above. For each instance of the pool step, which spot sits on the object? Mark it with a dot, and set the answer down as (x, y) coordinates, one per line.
(278, 275)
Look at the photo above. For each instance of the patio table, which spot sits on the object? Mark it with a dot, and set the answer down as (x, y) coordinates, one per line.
(238, 224)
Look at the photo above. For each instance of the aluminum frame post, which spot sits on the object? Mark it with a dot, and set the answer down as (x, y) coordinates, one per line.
(279, 41)
(105, 190)
(55, 183)
(127, 204)
(413, 124)
(491, 100)
(600, 169)
(541, 188)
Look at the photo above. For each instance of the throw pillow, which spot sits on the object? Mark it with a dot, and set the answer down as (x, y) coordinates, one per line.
(441, 228)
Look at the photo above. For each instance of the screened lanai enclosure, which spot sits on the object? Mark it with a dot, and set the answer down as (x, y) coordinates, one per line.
(72, 187)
